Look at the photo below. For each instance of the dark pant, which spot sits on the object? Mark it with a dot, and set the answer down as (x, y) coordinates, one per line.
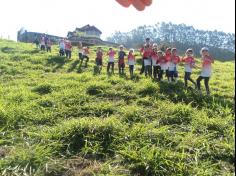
(167, 75)
(87, 60)
(159, 72)
(206, 81)
(80, 56)
(173, 75)
(155, 71)
(121, 68)
(68, 54)
(49, 49)
(142, 68)
(161, 75)
(110, 65)
(148, 70)
(99, 65)
(99, 62)
(62, 52)
(176, 74)
(43, 47)
(131, 70)
(86, 57)
(187, 77)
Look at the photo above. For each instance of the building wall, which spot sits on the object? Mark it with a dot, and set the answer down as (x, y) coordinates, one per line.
(30, 37)
(93, 33)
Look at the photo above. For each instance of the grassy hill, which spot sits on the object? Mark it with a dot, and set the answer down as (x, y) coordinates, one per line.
(57, 118)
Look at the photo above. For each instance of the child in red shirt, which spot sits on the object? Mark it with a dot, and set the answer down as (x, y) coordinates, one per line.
(121, 61)
(173, 65)
(166, 66)
(131, 62)
(68, 49)
(162, 61)
(111, 60)
(154, 57)
(99, 58)
(189, 62)
(80, 48)
(206, 72)
(86, 55)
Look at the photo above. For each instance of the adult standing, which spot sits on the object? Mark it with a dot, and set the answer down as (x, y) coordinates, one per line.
(148, 45)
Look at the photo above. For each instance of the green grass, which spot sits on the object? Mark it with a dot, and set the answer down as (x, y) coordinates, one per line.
(58, 118)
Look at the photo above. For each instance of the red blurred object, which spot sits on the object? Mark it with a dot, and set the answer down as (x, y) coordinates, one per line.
(138, 4)
(125, 3)
(147, 2)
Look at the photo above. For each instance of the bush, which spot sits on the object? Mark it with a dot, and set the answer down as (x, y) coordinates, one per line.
(44, 89)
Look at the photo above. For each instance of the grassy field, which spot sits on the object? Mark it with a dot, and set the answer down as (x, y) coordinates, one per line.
(59, 119)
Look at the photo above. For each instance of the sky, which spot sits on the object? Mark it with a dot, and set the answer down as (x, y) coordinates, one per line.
(57, 17)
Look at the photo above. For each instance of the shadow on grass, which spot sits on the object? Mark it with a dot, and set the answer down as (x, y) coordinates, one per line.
(79, 68)
(124, 76)
(35, 51)
(177, 93)
(56, 61)
(8, 50)
(73, 66)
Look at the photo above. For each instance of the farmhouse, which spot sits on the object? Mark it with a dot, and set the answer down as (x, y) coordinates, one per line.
(88, 35)
(86, 31)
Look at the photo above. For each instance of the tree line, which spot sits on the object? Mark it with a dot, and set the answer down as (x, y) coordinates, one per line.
(181, 36)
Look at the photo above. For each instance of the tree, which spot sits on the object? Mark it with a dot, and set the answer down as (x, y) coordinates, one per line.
(222, 44)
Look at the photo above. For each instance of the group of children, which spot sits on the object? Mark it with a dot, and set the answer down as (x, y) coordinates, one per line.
(65, 48)
(44, 43)
(156, 63)
(111, 60)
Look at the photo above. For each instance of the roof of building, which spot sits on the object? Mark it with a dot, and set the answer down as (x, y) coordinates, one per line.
(87, 28)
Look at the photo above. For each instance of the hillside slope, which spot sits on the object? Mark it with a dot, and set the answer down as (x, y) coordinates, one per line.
(58, 118)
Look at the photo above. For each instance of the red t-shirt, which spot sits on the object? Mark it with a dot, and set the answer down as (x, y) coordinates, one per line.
(175, 59)
(168, 56)
(188, 60)
(99, 55)
(68, 46)
(207, 61)
(154, 56)
(162, 59)
(111, 54)
(146, 53)
(131, 57)
(85, 51)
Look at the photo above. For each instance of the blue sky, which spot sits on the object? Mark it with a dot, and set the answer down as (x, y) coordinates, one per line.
(59, 17)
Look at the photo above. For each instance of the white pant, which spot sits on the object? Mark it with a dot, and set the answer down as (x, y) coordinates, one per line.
(147, 62)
